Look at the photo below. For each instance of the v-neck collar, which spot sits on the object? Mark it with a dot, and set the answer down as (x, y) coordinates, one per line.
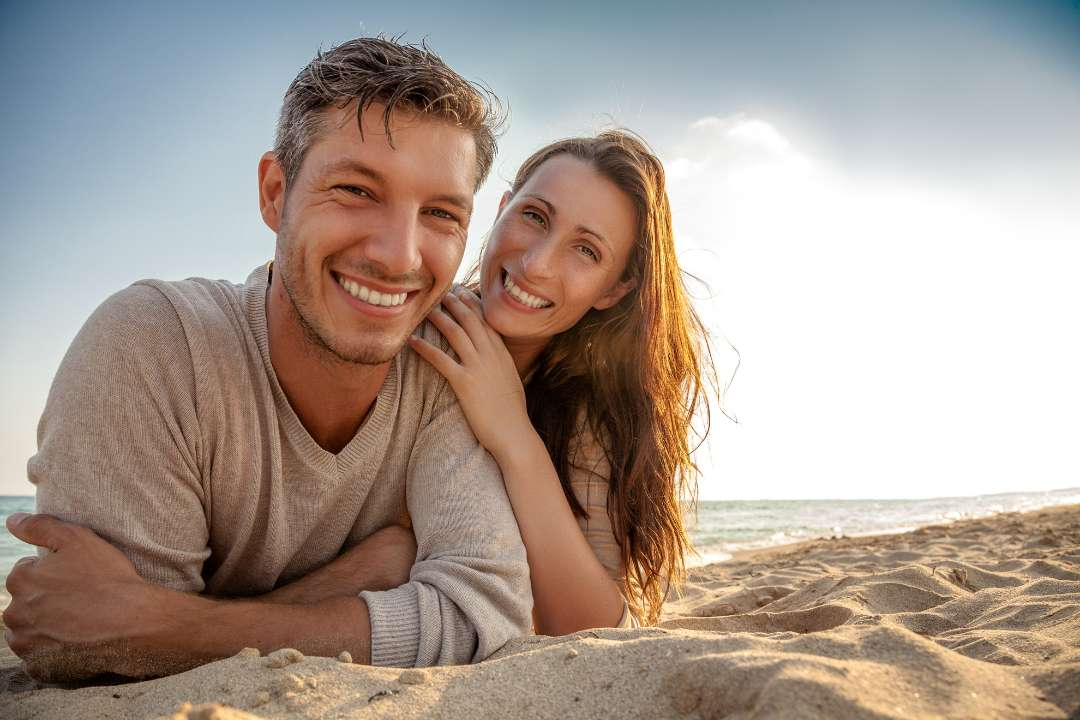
(370, 439)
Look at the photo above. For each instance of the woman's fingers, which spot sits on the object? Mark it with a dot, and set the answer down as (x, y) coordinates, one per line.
(470, 318)
(472, 300)
(467, 295)
(458, 338)
(438, 359)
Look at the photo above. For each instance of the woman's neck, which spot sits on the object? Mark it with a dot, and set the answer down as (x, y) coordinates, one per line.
(525, 352)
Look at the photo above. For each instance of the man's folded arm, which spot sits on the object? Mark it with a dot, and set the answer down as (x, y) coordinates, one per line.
(118, 442)
(469, 590)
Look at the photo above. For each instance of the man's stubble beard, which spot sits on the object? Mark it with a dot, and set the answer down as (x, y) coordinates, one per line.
(317, 337)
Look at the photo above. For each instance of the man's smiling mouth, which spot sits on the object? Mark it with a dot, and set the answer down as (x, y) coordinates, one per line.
(369, 295)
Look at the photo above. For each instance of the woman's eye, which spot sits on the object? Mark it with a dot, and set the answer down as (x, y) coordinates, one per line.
(535, 217)
(588, 252)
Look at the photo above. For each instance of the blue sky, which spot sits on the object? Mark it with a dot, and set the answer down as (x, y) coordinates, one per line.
(881, 197)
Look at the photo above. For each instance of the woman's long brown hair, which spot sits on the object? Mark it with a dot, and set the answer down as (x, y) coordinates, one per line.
(637, 373)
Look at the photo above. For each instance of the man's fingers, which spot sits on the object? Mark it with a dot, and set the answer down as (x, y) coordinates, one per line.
(22, 562)
(16, 579)
(14, 617)
(41, 530)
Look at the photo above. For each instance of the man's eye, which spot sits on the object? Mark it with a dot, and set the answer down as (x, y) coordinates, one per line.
(361, 192)
(535, 217)
(440, 213)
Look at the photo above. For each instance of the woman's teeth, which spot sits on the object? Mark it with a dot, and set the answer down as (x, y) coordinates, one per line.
(371, 297)
(523, 297)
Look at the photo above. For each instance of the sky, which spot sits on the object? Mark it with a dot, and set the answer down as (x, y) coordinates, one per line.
(880, 201)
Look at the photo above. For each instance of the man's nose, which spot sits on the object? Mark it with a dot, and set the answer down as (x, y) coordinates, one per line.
(395, 247)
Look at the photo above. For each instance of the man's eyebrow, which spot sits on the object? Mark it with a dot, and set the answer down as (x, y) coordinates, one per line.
(579, 228)
(461, 202)
(345, 165)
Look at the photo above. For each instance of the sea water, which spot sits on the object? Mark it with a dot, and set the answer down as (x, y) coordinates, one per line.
(724, 527)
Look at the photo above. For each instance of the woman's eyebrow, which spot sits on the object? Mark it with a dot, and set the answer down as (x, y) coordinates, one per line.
(598, 236)
(546, 203)
(579, 228)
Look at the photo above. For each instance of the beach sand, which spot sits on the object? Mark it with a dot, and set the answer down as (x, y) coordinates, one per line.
(977, 619)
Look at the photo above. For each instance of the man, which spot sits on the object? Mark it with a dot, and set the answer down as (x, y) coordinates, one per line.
(251, 451)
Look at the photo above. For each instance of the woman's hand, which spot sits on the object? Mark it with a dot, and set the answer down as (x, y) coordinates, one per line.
(484, 376)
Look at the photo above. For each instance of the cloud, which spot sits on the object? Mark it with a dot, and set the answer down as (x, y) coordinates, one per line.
(739, 139)
(760, 134)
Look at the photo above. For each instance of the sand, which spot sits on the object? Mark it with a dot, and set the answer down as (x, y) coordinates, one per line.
(977, 619)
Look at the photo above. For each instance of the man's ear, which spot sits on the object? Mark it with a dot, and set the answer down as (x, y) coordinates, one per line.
(271, 190)
(614, 295)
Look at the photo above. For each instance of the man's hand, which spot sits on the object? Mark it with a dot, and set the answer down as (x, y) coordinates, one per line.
(381, 561)
(75, 612)
(83, 610)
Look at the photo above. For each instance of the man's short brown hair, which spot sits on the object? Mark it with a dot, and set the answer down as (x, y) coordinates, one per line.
(398, 75)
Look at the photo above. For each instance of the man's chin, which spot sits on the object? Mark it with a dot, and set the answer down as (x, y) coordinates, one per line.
(375, 354)
(368, 348)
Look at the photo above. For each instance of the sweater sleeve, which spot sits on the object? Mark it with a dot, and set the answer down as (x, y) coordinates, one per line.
(118, 440)
(469, 590)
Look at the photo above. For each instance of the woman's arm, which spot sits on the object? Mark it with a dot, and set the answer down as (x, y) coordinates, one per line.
(571, 588)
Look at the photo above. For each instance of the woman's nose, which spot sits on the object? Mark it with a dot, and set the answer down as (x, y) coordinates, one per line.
(538, 260)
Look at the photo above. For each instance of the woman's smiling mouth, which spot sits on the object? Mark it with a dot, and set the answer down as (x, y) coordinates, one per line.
(527, 299)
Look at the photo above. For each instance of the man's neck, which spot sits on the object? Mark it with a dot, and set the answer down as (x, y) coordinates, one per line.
(329, 396)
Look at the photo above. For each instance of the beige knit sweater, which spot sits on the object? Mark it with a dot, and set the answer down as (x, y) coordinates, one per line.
(167, 433)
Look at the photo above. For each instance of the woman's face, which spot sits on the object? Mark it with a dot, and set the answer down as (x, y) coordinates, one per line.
(559, 247)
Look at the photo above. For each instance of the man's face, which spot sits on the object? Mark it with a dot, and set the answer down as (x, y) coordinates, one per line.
(370, 236)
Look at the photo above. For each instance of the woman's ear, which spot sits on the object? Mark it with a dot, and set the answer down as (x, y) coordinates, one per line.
(502, 203)
(614, 295)
(271, 190)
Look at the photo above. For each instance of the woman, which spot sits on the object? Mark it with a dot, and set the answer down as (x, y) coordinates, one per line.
(580, 372)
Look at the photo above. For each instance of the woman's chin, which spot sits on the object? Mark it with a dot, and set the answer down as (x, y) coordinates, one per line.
(498, 322)
(510, 328)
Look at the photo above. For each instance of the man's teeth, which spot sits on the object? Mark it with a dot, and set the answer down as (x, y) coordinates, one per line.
(522, 296)
(372, 297)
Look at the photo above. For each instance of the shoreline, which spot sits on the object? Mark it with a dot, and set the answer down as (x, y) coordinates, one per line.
(765, 554)
(742, 553)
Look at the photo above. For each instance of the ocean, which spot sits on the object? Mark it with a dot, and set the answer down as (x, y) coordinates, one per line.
(724, 527)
